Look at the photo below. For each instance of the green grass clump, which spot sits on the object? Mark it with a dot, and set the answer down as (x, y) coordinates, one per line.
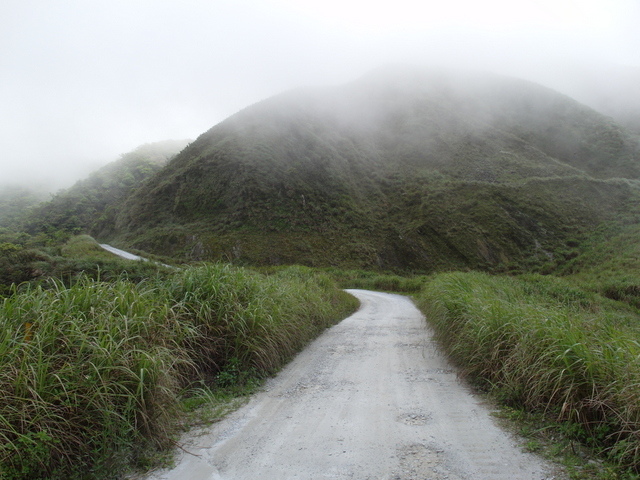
(377, 281)
(256, 320)
(610, 262)
(539, 343)
(84, 246)
(93, 375)
(86, 371)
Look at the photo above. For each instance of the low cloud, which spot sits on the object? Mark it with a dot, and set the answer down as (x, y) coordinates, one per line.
(83, 82)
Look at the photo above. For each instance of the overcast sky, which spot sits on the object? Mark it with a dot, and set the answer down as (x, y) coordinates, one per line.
(84, 81)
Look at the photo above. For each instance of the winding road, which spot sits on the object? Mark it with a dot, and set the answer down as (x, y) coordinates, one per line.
(121, 253)
(371, 398)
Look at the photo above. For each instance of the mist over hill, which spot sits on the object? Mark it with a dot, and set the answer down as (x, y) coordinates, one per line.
(90, 202)
(404, 169)
(613, 90)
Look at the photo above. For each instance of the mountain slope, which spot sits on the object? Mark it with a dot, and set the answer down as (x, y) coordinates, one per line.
(403, 169)
(15, 203)
(93, 201)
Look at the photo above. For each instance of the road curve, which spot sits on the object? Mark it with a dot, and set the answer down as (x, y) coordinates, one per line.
(371, 398)
(129, 256)
(121, 253)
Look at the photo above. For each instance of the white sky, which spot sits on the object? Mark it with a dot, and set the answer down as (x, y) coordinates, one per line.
(82, 81)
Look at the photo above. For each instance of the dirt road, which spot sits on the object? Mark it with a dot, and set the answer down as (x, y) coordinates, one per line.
(370, 399)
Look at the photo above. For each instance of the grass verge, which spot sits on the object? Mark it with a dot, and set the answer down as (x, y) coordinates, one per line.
(557, 442)
(94, 374)
(540, 343)
(370, 280)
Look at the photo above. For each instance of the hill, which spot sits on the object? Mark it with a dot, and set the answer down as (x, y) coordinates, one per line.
(91, 202)
(403, 169)
(15, 203)
(612, 91)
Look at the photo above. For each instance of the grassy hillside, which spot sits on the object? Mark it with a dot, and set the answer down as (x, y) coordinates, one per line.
(15, 204)
(36, 236)
(403, 169)
(609, 263)
(79, 256)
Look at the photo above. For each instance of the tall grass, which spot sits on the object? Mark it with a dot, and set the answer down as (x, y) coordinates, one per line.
(609, 263)
(91, 373)
(377, 281)
(539, 343)
(257, 320)
(86, 371)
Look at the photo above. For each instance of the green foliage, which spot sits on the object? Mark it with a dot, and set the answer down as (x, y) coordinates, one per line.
(90, 204)
(84, 246)
(15, 204)
(557, 441)
(18, 265)
(93, 366)
(80, 256)
(548, 346)
(93, 374)
(448, 225)
(377, 281)
(609, 262)
(246, 318)
(9, 248)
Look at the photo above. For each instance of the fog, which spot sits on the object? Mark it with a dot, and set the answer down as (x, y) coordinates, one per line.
(83, 81)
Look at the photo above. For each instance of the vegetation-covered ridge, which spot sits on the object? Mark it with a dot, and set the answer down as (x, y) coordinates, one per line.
(90, 203)
(33, 233)
(404, 170)
(16, 202)
(609, 262)
(92, 375)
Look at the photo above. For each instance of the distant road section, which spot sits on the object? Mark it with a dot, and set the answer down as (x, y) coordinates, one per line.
(371, 399)
(122, 253)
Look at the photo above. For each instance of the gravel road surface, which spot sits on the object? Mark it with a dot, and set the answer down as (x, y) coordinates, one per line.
(372, 398)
